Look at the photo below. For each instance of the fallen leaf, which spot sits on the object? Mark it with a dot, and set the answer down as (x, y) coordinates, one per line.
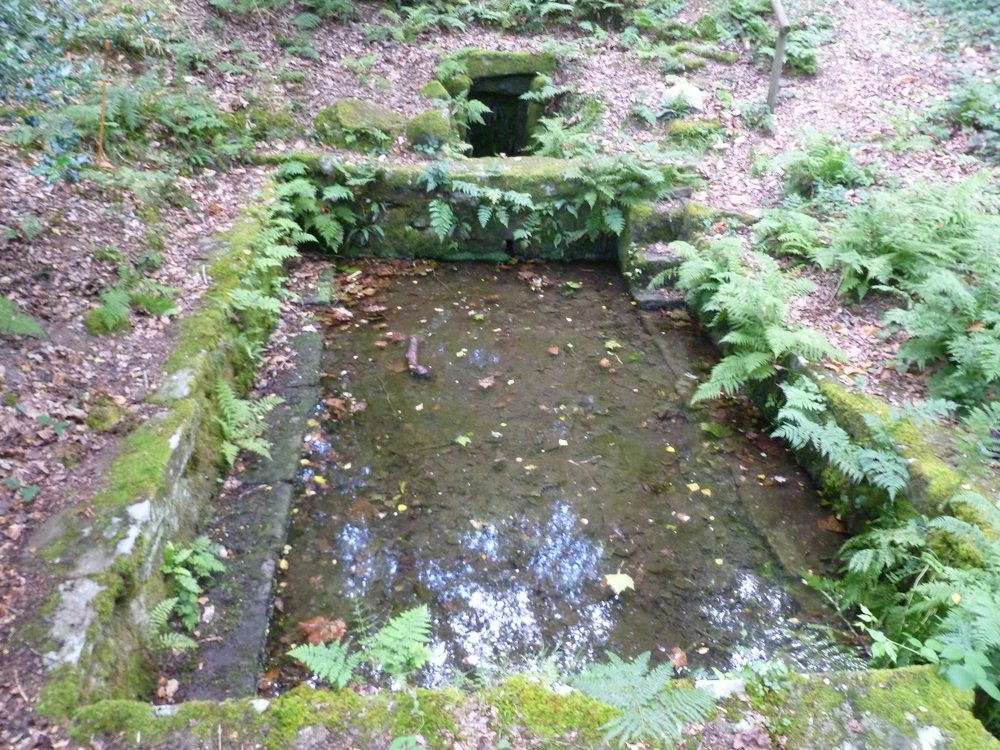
(611, 345)
(396, 367)
(683, 517)
(678, 657)
(337, 407)
(486, 382)
(170, 689)
(14, 531)
(340, 314)
(381, 344)
(605, 363)
(693, 487)
(619, 582)
(320, 630)
(831, 524)
(553, 350)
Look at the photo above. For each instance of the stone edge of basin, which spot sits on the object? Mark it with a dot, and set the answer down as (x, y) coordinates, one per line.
(907, 708)
(93, 630)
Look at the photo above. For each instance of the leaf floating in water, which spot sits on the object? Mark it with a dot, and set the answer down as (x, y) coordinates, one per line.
(340, 314)
(707, 492)
(719, 561)
(553, 350)
(670, 449)
(487, 382)
(693, 487)
(683, 517)
(831, 524)
(320, 630)
(611, 345)
(619, 582)
(463, 440)
(605, 363)
(678, 657)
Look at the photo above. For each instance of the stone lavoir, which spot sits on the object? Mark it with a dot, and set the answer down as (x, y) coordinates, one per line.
(550, 448)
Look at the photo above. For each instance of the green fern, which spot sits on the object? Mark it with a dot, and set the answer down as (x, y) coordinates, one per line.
(159, 616)
(746, 295)
(330, 661)
(14, 321)
(443, 219)
(242, 422)
(177, 641)
(114, 312)
(651, 707)
(801, 423)
(400, 647)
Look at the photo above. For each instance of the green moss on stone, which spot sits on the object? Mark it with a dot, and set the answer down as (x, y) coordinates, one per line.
(693, 128)
(431, 129)
(356, 124)
(456, 84)
(138, 471)
(522, 702)
(823, 712)
(435, 90)
(60, 695)
(107, 416)
(486, 63)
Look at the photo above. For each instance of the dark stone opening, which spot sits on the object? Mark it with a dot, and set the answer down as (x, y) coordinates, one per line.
(506, 125)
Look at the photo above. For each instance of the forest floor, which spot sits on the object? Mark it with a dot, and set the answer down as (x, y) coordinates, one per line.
(883, 67)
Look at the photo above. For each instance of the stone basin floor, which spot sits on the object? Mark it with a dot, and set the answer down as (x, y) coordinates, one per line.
(550, 446)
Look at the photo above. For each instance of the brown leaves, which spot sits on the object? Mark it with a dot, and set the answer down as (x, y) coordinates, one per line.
(336, 406)
(678, 657)
(832, 524)
(339, 314)
(320, 630)
(553, 350)
(605, 363)
(487, 382)
(14, 531)
(167, 688)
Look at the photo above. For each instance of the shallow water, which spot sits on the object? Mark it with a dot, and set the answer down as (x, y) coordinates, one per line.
(571, 471)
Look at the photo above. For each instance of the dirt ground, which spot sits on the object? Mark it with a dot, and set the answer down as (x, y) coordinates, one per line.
(877, 68)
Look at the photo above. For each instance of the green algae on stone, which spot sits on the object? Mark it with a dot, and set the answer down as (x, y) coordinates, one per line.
(456, 84)
(107, 416)
(435, 90)
(431, 129)
(889, 708)
(356, 124)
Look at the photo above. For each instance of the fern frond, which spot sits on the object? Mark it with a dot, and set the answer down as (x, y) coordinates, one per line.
(159, 616)
(400, 647)
(329, 661)
(114, 314)
(14, 321)
(651, 707)
(177, 641)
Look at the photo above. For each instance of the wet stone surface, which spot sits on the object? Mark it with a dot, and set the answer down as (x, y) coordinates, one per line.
(551, 445)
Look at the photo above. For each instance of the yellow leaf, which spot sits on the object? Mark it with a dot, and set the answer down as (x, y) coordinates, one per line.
(563, 443)
(956, 597)
(706, 491)
(619, 582)
(283, 564)
(530, 467)
(319, 480)
(693, 487)
(718, 561)
(401, 507)
(670, 449)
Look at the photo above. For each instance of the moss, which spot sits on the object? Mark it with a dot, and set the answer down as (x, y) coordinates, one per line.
(107, 416)
(819, 712)
(714, 53)
(60, 695)
(96, 326)
(431, 129)
(435, 90)
(356, 124)
(261, 123)
(521, 702)
(137, 472)
(456, 84)
(485, 63)
(691, 128)
(707, 28)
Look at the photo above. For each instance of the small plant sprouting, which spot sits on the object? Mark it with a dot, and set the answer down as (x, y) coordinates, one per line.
(187, 568)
